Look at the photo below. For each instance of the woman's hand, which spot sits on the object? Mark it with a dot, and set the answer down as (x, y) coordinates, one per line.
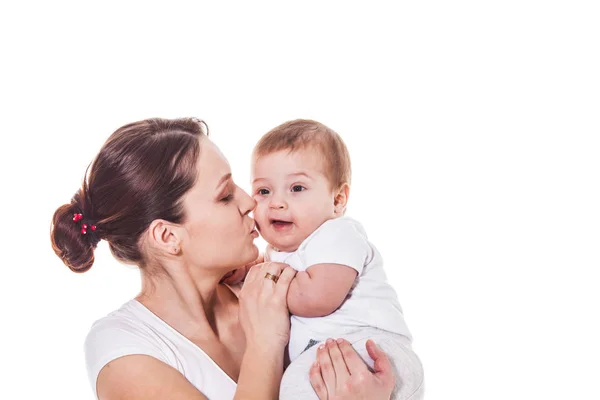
(264, 314)
(340, 374)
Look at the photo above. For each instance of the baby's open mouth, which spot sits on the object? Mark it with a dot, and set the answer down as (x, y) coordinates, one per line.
(280, 223)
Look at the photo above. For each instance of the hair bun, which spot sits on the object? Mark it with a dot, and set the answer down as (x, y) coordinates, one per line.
(73, 247)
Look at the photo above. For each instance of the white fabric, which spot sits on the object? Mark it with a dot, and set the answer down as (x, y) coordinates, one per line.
(372, 302)
(133, 329)
(406, 366)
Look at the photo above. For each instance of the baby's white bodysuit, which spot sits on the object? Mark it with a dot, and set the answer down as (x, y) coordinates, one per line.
(372, 301)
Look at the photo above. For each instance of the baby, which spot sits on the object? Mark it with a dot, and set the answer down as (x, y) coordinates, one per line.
(301, 182)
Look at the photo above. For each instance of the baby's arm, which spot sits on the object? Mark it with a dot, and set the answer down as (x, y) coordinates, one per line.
(320, 290)
(337, 253)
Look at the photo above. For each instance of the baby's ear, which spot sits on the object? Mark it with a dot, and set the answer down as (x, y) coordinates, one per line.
(341, 199)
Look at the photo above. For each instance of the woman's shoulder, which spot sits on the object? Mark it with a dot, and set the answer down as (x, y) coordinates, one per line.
(132, 326)
(125, 331)
(135, 330)
(125, 323)
(127, 318)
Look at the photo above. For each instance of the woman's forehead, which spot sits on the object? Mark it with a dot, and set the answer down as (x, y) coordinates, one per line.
(212, 164)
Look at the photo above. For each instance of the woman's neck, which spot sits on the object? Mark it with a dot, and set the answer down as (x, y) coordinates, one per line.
(190, 304)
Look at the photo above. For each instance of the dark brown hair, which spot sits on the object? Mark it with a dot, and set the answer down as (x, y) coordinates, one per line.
(303, 134)
(140, 174)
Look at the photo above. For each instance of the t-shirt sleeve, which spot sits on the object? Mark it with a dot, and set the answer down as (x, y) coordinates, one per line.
(338, 241)
(111, 339)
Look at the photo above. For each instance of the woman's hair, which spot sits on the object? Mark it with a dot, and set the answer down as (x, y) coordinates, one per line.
(140, 174)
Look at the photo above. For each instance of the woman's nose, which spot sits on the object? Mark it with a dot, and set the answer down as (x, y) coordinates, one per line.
(248, 203)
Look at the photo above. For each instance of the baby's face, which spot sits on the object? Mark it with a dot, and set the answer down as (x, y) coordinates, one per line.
(293, 196)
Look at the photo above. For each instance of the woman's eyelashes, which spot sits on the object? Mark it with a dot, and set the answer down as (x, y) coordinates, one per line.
(227, 198)
(229, 193)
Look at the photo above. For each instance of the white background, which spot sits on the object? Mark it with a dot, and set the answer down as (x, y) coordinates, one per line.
(473, 128)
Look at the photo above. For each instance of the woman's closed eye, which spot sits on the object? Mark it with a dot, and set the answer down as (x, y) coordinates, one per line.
(227, 198)
(298, 188)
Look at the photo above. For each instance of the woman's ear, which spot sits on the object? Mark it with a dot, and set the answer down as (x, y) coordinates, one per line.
(341, 199)
(165, 236)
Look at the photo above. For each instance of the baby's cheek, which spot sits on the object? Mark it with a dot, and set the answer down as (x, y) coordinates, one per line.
(260, 211)
(260, 217)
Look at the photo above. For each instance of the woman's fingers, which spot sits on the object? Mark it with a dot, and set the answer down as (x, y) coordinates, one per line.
(353, 361)
(263, 315)
(269, 277)
(252, 273)
(316, 380)
(270, 274)
(341, 373)
(258, 271)
(337, 359)
(285, 278)
(327, 371)
(382, 366)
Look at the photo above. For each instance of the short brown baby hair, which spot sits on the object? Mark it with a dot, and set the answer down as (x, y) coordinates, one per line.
(301, 134)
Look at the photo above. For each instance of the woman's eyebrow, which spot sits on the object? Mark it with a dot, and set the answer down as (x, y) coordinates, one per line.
(223, 179)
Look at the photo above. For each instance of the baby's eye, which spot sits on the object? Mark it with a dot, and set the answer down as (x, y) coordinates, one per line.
(263, 192)
(298, 188)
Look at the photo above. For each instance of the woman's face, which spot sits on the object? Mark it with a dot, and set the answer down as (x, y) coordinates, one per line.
(219, 232)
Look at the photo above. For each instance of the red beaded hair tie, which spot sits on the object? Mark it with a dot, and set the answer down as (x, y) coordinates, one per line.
(84, 226)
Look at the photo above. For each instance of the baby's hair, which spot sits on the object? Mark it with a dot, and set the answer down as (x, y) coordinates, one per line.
(141, 174)
(302, 134)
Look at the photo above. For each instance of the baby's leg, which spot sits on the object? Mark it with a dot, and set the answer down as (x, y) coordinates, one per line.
(407, 367)
(295, 383)
(405, 363)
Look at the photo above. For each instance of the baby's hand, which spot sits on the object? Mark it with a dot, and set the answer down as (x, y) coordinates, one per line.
(238, 275)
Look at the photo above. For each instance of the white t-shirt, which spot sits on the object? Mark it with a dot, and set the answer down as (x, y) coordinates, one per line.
(133, 329)
(372, 302)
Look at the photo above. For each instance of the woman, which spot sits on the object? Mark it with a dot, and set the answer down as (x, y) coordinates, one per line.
(161, 194)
